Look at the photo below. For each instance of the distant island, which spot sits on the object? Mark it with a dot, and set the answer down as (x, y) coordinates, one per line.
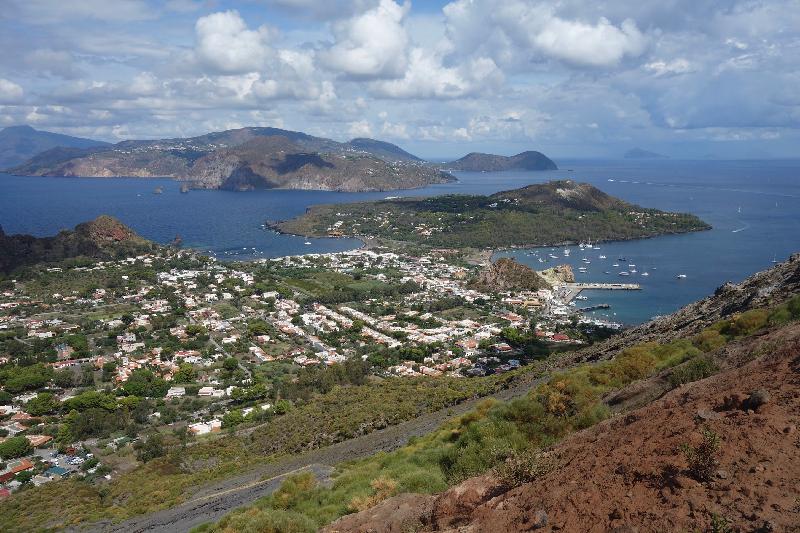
(478, 162)
(20, 143)
(639, 153)
(245, 159)
(102, 238)
(548, 214)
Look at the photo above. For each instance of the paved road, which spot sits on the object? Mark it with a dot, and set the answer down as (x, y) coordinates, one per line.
(214, 501)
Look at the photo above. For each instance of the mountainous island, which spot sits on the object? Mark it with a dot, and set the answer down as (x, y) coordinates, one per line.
(244, 159)
(640, 153)
(20, 143)
(478, 162)
(546, 214)
(102, 238)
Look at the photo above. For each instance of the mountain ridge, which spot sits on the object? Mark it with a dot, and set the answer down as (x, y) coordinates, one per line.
(246, 158)
(20, 143)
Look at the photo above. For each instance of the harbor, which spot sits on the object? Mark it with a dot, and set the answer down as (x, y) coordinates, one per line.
(572, 290)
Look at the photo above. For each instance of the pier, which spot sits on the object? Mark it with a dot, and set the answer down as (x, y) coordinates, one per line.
(574, 289)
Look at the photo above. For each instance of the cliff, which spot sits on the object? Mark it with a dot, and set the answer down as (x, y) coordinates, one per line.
(478, 162)
(558, 274)
(102, 238)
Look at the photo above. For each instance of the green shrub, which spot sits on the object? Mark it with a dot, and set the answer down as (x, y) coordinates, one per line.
(696, 369)
(520, 468)
(702, 459)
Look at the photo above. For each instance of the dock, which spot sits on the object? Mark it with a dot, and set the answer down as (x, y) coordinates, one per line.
(574, 289)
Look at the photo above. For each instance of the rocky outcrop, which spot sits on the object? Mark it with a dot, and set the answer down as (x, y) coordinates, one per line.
(505, 274)
(558, 274)
(102, 238)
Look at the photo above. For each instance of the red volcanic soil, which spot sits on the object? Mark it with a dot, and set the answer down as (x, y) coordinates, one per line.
(629, 474)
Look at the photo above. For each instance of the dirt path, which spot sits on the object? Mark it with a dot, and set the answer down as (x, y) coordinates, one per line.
(215, 500)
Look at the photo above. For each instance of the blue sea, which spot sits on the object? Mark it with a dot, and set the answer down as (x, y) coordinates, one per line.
(753, 206)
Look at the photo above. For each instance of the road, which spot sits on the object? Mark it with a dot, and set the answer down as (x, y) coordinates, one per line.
(213, 501)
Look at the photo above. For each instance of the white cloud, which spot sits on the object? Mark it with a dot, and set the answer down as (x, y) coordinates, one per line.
(668, 68)
(54, 11)
(426, 77)
(360, 128)
(226, 45)
(599, 45)
(518, 32)
(371, 44)
(10, 92)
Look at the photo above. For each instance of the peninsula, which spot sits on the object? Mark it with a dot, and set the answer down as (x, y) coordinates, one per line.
(544, 214)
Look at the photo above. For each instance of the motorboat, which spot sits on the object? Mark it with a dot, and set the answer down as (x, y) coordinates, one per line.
(681, 276)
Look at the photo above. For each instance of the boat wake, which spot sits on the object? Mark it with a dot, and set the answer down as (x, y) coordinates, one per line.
(746, 226)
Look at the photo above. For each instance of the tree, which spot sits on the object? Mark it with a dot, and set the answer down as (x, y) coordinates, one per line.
(150, 448)
(43, 404)
(64, 378)
(15, 447)
(144, 383)
(185, 374)
(230, 364)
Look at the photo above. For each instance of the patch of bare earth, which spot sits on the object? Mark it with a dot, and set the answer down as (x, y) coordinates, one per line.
(629, 473)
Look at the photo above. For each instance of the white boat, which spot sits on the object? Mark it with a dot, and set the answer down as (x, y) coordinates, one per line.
(566, 252)
(586, 261)
(631, 265)
(634, 271)
(581, 297)
(552, 256)
(606, 272)
(602, 257)
(645, 273)
(681, 276)
(306, 243)
(623, 273)
(595, 247)
(615, 265)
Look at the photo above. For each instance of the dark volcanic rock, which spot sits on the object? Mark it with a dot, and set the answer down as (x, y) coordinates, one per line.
(477, 162)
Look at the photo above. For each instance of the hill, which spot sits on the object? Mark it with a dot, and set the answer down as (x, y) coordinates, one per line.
(477, 162)
(508, 275)
(639, 153)
(20, 143)
(247, 158)
(102, 238)
(544, 214)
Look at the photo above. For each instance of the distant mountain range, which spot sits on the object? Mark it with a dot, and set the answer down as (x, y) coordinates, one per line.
(477, 162)
(247, 158)
(102, 238)
(20, 143)
(250, 158)
(639, 153)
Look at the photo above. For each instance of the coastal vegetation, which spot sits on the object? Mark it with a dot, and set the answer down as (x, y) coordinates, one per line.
(547, 214)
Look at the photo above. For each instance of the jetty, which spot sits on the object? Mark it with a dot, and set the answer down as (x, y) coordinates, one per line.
(574, 289)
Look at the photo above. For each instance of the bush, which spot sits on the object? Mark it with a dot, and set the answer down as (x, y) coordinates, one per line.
(15, 447)
(702, 459)
(521, 468)
(696, 369)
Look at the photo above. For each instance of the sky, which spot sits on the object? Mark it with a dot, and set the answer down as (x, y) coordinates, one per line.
(571, 78)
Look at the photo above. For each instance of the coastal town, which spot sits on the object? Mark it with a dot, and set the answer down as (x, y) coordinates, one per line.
(195, 346)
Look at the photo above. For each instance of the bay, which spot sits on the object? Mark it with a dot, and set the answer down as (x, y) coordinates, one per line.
(753, 206)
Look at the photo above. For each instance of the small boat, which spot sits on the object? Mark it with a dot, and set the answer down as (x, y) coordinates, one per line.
(585, 260)
(553, 256)
(595, 247)
(622, 259)
(645, 273)
(566, 252)
(307, 243)
(581, 297)
(606, 272)
(623, 273)
(634, 271)
(158, 190)
(615, 265)
(602, 257)
(681, 276)
(774, 259)
(184, 188)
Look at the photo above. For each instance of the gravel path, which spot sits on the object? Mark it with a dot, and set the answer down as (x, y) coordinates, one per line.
(212, 502)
